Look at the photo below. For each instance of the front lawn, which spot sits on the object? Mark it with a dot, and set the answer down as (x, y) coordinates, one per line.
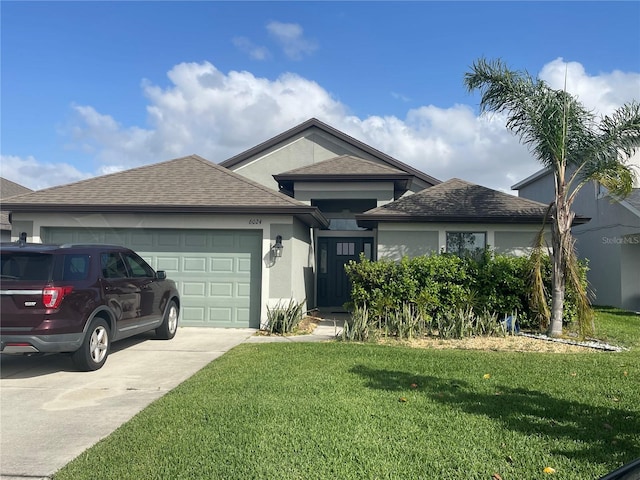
(363, 411)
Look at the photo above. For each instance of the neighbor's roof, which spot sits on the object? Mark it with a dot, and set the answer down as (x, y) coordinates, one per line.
(9, 189)
(183, 185)
(461, 202)
(531, 178)
(314, 123)
(633, 199)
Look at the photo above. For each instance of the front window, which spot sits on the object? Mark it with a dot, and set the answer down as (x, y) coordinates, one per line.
(137, 266)
(466, 243)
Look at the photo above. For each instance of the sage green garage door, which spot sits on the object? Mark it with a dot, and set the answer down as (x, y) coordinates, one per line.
(218, 272)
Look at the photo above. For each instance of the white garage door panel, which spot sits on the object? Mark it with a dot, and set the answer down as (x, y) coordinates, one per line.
(218, 272)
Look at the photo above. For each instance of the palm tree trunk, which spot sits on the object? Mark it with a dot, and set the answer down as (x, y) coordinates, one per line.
(558, 286)
(561, 241)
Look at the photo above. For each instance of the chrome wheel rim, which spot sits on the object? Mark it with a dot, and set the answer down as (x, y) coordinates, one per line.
(172, 320)
(99, 344)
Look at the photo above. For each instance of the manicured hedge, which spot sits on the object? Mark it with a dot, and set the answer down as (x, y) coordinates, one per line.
(438, 284)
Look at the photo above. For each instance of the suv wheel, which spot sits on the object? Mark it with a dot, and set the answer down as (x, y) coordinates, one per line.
(95, 347)
(169, 326)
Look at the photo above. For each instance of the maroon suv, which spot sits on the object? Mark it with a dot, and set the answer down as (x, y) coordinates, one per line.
(79, 299)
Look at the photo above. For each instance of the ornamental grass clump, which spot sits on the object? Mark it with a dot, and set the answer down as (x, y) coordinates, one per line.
(284, 318)
(464, 322)
(360, 327)
(407, 322)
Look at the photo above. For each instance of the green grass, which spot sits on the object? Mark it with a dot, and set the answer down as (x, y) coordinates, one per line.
(333, 411)
(618, 327)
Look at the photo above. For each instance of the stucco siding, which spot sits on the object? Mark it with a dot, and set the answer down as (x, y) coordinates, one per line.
(396, 244)
(630, 278)
(613, 264)
(300, 152)
(382, 192)
(541, 190)
(514, 243)
(602, 242)
(412, 239)
(292, 274)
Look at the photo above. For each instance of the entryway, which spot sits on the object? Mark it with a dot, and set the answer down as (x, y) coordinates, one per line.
(333, 254)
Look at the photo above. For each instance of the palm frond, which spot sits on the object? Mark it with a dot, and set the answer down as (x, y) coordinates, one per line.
(538, 293)
(579, 287)
(552, 123)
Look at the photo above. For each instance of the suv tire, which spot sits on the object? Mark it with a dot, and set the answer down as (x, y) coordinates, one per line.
(169, 326)
(95, 346)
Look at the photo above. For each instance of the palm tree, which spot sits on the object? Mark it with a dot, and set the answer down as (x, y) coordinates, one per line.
(567, 139)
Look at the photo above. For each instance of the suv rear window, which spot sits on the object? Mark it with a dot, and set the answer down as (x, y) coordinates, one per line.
(26, 266)
(43, 267)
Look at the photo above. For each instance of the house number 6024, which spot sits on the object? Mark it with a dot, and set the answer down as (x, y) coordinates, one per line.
(255, 221)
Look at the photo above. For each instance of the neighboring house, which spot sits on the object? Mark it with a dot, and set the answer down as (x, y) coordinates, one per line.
(610, 241)
(321, 194)
(8, 189)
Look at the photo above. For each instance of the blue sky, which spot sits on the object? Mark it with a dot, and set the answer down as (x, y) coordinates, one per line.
(94, 87)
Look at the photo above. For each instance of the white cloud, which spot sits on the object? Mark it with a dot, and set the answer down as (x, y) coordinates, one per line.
(603, 93)
(290, 36)
(218, 115)
(400, 96)
(35, 174)
(256, 52)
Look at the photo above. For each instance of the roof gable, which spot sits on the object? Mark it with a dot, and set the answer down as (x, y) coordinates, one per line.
(345, 168)
(314, 124)
(458, 201)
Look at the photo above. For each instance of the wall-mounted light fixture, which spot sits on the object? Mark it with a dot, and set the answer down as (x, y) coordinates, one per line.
(278, 247)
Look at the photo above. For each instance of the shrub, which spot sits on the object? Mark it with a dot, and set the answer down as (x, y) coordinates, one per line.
(408, 297)
(283, 318)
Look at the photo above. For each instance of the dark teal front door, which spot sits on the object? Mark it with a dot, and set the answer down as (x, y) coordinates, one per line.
(333, 254)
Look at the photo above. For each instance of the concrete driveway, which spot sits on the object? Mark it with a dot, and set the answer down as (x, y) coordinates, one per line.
(50, 413)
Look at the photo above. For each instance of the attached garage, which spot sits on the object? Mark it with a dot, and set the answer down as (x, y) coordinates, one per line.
(218, 272)
(215, 238)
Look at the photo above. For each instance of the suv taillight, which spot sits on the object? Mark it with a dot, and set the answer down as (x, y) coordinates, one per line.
(52, 296)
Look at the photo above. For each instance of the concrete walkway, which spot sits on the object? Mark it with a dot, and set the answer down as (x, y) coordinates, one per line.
(50, 413)
(327, 329)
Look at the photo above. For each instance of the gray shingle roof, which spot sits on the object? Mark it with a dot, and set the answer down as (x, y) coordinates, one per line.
(187, 184)
(346, 168)
(457, 201)
(9, 189)
(344, 165)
